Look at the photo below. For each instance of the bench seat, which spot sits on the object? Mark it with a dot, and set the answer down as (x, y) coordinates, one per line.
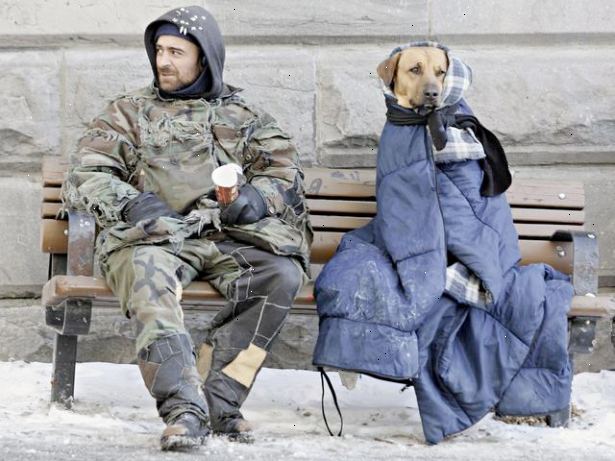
(201, 295)
(549, 218)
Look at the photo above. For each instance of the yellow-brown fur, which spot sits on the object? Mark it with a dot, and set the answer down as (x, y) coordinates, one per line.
(416, 75)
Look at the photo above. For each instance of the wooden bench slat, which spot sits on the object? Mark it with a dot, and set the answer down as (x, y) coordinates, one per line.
(518, 194)
(53, 240)
(540, 215)
(539, 199)
(337, 207)
(341, 207)
(557, 254)
(340, 183)
(523, 192)
(547, 187)
(50, 210)
(54, 170)
(357, 183)
(546, 194)
(600, 306)
(345, 223)
(62, 287)
(369, 208)
(51, 194)
(534, 230)
(324, 246)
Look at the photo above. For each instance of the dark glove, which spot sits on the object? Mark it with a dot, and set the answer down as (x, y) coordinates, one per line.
(147, 205)
(248, 207)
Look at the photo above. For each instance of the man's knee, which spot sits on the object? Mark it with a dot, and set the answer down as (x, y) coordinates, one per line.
(276, 277)
(144, 278)
(286, 274)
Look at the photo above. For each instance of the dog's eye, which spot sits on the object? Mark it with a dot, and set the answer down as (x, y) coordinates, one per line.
(415, 70)
(440, 72)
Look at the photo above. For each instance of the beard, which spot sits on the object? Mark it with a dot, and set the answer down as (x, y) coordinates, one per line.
(171, 79)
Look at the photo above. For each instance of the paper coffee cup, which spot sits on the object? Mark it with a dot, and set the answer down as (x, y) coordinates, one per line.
(226, 182)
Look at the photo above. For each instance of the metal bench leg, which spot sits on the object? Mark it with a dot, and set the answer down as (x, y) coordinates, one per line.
(73, 317)
(581, 335)
(63, 373)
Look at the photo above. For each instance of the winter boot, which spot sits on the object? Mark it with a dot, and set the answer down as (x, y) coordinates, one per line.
(235, 429)
(225, 396)
(184, 432)
(169, 371)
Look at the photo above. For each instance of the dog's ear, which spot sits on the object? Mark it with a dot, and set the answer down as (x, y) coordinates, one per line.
(386, 69)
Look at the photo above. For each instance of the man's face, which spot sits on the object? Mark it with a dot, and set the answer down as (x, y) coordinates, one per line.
(177, 62)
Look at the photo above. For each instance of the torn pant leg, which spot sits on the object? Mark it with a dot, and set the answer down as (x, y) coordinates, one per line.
(242, 333)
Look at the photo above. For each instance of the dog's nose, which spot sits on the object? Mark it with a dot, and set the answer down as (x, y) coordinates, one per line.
(431, 93)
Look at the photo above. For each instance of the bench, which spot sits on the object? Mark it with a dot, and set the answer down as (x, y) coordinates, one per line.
(549, 218)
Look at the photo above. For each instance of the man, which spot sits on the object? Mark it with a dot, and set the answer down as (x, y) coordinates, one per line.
(143, 168)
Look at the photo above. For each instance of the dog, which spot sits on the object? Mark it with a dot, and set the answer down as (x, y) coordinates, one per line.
(411, 296)
(416, 75)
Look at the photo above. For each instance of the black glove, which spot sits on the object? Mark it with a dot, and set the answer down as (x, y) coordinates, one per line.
(147, 205)
(248, 207)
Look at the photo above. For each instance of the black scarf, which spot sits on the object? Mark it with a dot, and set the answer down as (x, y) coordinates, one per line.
(497, 178)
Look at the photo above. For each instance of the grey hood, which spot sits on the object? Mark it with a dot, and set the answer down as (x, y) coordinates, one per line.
(201, 25)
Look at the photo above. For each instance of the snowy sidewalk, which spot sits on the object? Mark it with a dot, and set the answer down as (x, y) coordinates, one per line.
(113, 418)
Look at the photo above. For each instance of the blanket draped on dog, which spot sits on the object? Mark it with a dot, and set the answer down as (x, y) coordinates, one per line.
(483, 333)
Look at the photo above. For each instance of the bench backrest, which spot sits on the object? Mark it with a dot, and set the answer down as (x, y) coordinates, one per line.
(343, 199)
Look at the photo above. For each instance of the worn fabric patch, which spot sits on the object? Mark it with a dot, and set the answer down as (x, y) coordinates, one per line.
(244, 367)
(203, 363)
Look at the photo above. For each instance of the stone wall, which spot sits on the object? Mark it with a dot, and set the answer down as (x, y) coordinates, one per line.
(543, 81)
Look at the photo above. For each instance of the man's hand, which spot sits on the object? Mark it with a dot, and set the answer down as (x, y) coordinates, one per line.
(147, 205)
(247, 208)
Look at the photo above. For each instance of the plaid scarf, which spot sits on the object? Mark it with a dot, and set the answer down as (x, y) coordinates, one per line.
(461, 144)
(465, 287)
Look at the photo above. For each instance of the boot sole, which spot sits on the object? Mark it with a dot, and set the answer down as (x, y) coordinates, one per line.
(236, 437)
(181, 443)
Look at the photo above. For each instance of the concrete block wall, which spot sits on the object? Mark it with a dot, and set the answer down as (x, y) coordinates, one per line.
(543, 81)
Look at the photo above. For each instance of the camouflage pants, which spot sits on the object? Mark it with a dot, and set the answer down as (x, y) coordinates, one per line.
(259, 286)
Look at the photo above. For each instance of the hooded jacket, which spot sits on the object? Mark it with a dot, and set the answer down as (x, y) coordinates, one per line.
(145, 141)
(479, 334)
(201, 25)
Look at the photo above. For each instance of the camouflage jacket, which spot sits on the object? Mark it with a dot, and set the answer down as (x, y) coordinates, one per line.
(142, 142)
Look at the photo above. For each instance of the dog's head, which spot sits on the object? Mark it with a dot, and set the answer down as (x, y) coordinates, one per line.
(416, 75)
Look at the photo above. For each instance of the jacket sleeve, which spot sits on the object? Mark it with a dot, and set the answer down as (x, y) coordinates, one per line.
(271, 164)
(102, 178)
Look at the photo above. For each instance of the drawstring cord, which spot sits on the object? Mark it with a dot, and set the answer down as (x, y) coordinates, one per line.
(324, 376)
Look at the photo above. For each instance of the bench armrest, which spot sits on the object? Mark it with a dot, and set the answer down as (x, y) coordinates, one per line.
(584, 268)
(71, 317)
(81, 242)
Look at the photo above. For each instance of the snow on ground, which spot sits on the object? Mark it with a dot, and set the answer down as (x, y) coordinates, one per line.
(113, 418)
